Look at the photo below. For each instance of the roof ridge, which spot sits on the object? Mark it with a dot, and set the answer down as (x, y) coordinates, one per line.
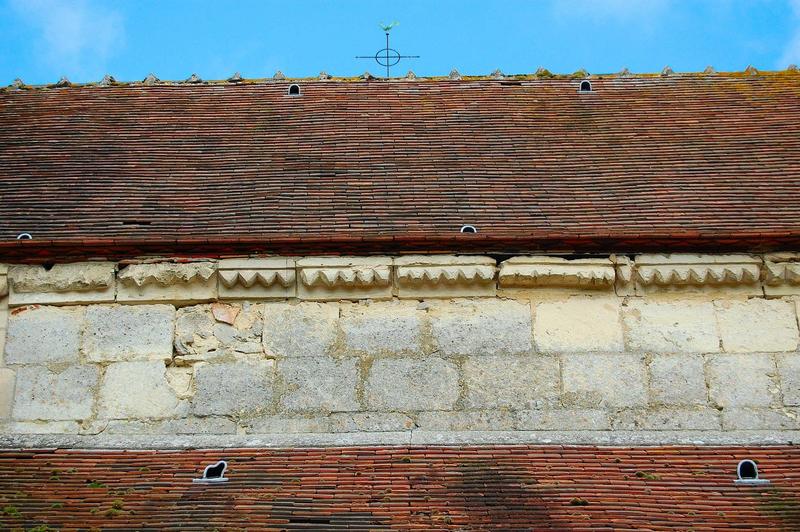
(541, 73)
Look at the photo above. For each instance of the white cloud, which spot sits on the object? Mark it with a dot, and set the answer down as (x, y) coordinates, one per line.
(791, 53)
(75, 38)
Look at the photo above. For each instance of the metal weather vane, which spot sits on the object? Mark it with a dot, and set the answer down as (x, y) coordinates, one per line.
(387, 57)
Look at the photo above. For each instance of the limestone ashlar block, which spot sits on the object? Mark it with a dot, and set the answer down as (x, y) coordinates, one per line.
(789, 373)
(335, 278)
(578, 324)
(697, 418)
(62, 394)
(684, 272)
(235, 388)
(167, 281)
(518, 382)
(135, 390)
(439, 276)
(272, 278)
(743, 380)
(603, 380)
(382, 327)
(127, 332)
(557, 272)
(43, 335)
(782, 274)
(757, 325)
(670, 326)
(320, 384)
(678, 380)
(7, 377)
(304, 329)
(405, 384)
(63, 284)
(481, 327)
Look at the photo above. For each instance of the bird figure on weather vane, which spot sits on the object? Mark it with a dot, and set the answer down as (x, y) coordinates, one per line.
(387, 57)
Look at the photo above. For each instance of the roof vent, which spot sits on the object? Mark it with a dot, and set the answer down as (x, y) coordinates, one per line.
(586, 86)
(194, 78)
(294, 90)
(213, 473)
(324, 76)
(24, 236)
(367, 76)
(747, 471)
(469, 229)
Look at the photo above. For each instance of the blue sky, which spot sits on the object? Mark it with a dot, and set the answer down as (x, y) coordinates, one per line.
(42, 40)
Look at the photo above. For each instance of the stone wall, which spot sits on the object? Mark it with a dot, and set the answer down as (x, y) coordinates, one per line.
(656, 349)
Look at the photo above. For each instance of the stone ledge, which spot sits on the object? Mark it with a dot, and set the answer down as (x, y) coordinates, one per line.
(538, 272)
(79, 282)
(689, 272)
(272, 278)
(189, 282)
(399, 438)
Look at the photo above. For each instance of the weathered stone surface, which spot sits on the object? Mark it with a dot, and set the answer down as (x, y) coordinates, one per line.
(199, 336)
(741, 380)
(536, 272)
(257, 278)
(239, 388)
(578, 324)
(436, 276)
(41, 427)
(563, 419)
(341, 422)
(782, 274)
(474, 420)
(7, 377)
(678, 380)
(789, 373)
(166, 281)
(300, 330)
(484, 327)
(669, 327)
(3, 280)
(41, 335)
(761, 419)
(382, 327)
(602, 380)
(335, 278)
(82, 282)
(132, 390)
(44, 394)
(511, 381)
(319, 384)
(118, 332)
(412, 384)
(757, 325)
(698, 418)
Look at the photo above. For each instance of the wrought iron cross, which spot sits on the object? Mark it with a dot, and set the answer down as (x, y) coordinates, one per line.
(387, 57)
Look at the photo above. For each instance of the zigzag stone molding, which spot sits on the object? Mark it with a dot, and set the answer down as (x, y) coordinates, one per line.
(257, 278)
(445, 276)
(333, 278)
(683, 272)
(168, 281)
(410, 277)
(557, 272)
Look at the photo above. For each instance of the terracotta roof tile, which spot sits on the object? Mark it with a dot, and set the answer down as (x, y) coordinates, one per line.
(685, 161)
(425, 488)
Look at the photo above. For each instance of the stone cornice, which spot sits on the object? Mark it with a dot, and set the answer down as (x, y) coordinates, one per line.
(409, 277)
(534, 272)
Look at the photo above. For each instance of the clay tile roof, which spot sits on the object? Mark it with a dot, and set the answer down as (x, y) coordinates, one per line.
(679, 162)
(420, 488)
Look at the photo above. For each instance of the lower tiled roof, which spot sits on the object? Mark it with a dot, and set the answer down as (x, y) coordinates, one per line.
(424, 488)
